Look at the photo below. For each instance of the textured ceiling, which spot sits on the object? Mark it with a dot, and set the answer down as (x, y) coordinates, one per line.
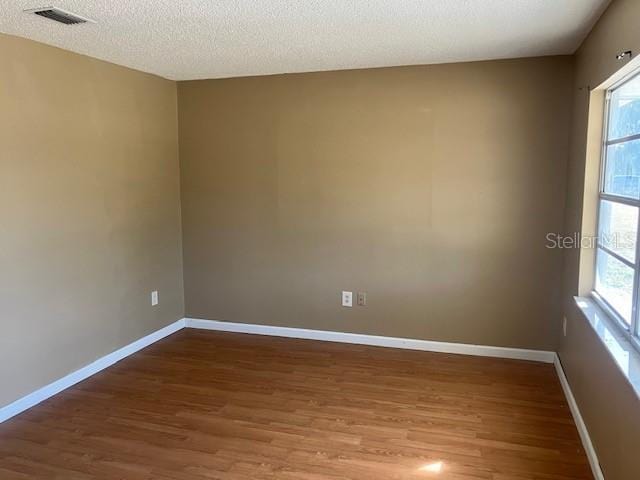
(192, 39)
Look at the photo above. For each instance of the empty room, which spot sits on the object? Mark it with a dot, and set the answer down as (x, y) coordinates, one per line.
(320, 240)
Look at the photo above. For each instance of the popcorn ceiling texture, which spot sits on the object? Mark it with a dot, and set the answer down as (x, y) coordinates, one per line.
(195, 39)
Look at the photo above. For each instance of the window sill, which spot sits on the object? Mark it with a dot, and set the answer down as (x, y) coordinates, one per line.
(619, 346)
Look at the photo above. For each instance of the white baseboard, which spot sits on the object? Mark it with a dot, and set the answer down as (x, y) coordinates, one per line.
(362, 339)
(579, 421)
(47, 391)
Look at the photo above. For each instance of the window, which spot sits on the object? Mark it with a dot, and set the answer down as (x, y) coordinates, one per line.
(617, 272)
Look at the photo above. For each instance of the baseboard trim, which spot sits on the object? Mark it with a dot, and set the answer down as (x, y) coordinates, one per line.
(71, 379)
(374, 340)
(579, 421)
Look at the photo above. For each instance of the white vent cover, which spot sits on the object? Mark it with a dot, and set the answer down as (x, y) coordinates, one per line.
(59, 15)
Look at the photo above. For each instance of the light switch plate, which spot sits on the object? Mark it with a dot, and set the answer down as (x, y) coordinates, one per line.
(154, 298)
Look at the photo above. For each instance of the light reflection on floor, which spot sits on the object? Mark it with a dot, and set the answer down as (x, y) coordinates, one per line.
(435, 467)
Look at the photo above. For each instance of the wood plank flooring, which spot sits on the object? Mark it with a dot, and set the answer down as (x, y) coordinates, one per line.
(208, 405)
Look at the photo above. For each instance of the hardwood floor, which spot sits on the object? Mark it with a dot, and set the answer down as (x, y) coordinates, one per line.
(208, 405)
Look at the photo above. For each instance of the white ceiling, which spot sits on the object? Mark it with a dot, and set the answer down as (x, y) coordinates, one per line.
(193, 39)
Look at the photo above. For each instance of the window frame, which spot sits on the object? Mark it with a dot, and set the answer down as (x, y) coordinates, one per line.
(632, 330)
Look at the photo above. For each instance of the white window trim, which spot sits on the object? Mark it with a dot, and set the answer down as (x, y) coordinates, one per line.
(623, 352)
(632, 331)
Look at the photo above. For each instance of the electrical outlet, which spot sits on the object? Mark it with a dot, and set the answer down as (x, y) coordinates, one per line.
(154, 298)
(564, 326)
(347, 299)
(362, 299)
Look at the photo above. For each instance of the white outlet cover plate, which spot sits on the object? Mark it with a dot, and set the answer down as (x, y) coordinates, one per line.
(347, 299)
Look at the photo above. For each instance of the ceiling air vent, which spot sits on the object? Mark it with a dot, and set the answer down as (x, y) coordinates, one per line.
(59, 15)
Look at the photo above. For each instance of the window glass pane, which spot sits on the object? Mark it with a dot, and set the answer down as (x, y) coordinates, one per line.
(614, 282)
(624, 110)
(622, 169)
(617, 228)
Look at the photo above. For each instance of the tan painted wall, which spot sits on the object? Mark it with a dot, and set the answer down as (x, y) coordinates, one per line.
(89, 211)
(430, 188)
(608, 404)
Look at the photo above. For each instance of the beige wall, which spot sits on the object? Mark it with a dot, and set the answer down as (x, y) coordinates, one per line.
(430, 188)
(608, 404)
(89, 211)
